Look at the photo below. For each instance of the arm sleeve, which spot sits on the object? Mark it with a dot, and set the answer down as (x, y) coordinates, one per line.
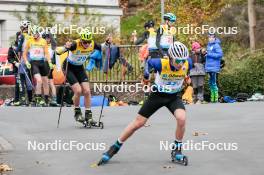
(46, 51)
(53, 59)
(25, 53)
(152, 64)
(159, 34)
(190, 65)
(53, 42)
(20, 43)
(217, 53)
(62, 50)
(141, 39)
(97, 46)
(11, 55)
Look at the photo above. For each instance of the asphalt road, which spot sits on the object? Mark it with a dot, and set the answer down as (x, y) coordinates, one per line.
(239, 125)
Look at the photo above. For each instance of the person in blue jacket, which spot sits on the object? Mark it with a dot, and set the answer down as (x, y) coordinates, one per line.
(212, 64)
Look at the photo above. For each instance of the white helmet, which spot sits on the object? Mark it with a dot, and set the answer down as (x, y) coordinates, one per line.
(25, 23)
(178, 51)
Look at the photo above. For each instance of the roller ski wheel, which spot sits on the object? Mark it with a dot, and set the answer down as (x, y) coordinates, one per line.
(87, 124)
(179, 158)
(101, 125)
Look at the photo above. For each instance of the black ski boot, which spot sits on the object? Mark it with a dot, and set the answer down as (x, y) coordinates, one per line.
(89, 118)
(78, 115)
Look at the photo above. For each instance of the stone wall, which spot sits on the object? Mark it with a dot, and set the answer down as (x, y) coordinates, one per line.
(7, 91)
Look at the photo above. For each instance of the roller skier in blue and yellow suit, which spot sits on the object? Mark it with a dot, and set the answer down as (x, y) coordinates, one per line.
(170, 76)
(79, 51)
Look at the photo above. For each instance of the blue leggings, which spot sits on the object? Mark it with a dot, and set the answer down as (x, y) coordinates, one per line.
(212, 81)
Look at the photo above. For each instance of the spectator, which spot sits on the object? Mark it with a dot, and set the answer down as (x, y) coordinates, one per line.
(212, 64)
(197, 73)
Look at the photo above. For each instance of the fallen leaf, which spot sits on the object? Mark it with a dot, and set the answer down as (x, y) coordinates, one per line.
(199, 133)
(93, 165)
(195, 133)
(167, 167)
(4, 168)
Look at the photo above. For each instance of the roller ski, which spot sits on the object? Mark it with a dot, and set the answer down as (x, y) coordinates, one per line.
(110, 153)
(78, 115)
(177, 156)
(89, 122)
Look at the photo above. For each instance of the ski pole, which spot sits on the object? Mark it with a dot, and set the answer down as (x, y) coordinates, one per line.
(26, 75)
(63, 90)
(108, 60)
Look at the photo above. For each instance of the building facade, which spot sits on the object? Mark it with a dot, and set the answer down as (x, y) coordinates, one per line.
(108, 11)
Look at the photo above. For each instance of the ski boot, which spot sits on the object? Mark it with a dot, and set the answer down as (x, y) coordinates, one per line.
(216, 96)
(78, 115)
(212, 99)
(21, 102)
(16, 103)
(39, 102)
(177, 156)
(110, 153)
(89, 122)
(53, 102)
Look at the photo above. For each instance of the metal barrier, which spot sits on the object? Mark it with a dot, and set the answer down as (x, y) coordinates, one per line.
(117, 73)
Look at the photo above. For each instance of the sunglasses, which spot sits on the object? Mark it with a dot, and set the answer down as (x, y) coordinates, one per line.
(86, 42)
(180, 61)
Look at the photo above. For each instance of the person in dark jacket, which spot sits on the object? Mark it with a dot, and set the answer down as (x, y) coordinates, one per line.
(20, 78)
(212, 64)
(150, 35)
(52, 49)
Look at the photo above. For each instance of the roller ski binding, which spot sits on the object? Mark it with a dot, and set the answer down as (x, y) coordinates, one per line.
(89, 122)
(177, 156)
(78, 115)
(110, 153)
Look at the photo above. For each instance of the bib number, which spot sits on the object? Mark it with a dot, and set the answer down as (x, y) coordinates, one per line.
(37, 53)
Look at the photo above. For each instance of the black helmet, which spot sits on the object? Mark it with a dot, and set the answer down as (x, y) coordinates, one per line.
(150, 23)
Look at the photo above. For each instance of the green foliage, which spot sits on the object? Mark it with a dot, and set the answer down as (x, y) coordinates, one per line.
(41, 14)
(134, 23)
(38, 14)
(246, 75)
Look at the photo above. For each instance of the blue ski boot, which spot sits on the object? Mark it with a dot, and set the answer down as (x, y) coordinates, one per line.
(177, 156)
(110, 153)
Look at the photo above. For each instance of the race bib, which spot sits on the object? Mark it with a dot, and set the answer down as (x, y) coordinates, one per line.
(36, 53)
(166, 40)
(152, 42)
(77, 59)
